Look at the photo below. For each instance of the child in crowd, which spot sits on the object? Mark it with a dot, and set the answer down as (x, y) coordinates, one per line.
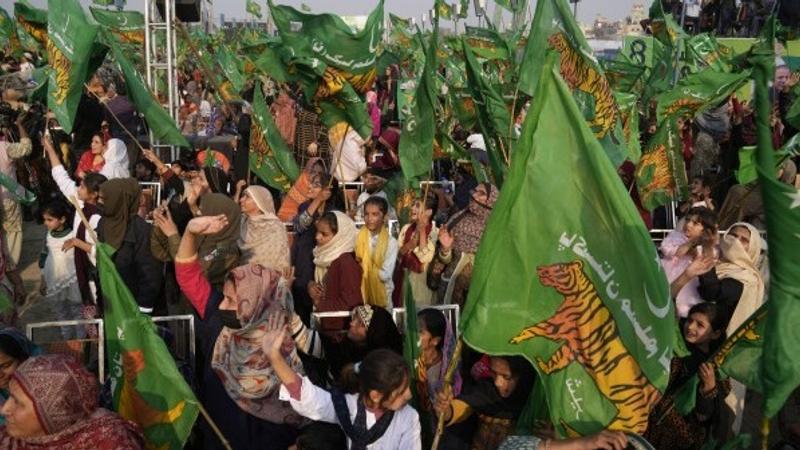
(703, 331)
(337, 275)
(418, 247)
(699, 233)
(436, 341)
(57, 261)
(377, 414)
(699, 195)
(376, 251)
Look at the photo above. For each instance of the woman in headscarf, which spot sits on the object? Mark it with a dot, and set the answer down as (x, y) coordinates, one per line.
(15, 349)
(458, 243)
(263, 238)
(53, 406)
(301, 189)
(129, 235)
(92, 160)
(239, 387)
(219, 252)
(337, 274)
(116, 157)
(736, 284)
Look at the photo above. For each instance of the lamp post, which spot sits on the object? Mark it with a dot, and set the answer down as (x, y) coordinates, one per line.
(480, 10)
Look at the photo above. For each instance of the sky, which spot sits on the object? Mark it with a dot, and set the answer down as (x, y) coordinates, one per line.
(587, 9)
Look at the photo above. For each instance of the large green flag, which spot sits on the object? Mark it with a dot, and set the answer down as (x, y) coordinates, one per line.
(159, 121)
(331, 61)
(661, 172)
(554, 27)
(33, 21)
(8, 34)
(703, 51)
(597, 325)
(493, 116)
(228, 63)
(127, 26)
(699, 92)
(419, 120)
(270, 157)
(70, 40)
(629, 114)
(780, 367)
(253, 8)
(623, 74)
(147, 387)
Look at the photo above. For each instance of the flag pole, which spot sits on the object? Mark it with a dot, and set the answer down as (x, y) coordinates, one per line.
(448, 384)
(93, 234)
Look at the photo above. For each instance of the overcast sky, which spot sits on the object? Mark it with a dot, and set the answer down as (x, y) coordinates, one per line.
(587, 9)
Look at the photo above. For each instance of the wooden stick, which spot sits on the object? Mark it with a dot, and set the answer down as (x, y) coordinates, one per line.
(203, 411)
(135, 140)
(448, 384)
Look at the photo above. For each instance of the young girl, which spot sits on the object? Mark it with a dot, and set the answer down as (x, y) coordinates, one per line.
(57, 261)
(703, 331)
(436, 345)
(337, 275)
(418, 246)
(680, 247)
(376, 250)
(377, 417)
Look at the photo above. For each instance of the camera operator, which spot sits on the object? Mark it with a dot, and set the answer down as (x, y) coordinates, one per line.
(14, 145)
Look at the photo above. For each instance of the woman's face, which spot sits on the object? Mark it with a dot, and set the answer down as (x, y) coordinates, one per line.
(697, 329)
(743, 235)
(426, 340)
(200, 182)
(314, 188)
(20, 414)
(324, 233)
(230, 299)
(397, 399)
(7, 367)
(97, 145)
(357, 331)
(248, 205)
(85, 195)
(480, 195)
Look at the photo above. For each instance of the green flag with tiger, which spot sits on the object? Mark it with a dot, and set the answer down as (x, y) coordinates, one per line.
(8, 34)
(554, 27)
(598, 326)
(32, 20)
(70, 41)
(270, 157)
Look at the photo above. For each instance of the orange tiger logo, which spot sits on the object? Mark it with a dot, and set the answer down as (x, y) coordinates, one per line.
(263, 154)
(590, 337)
(61, 65)
(655, 161)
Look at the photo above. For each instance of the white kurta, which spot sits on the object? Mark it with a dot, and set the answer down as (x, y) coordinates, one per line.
(404, 431)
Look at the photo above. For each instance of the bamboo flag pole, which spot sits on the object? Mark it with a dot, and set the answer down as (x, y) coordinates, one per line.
(448, 384)
(203, 411)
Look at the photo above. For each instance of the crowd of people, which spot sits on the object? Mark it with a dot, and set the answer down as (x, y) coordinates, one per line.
(725, 18)
(200, 235)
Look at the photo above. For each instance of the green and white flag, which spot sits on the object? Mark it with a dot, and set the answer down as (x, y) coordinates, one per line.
(597, 325)
(127, 26)
(70, 40)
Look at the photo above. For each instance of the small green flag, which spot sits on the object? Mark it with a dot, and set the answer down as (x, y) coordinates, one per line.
(419, 121)
(8, 34)
(780, 368)
(487, 43)
(511, 5)
(661, 172)
(555, 27)
(492, 115)
(629, 114)
(698, 92)
(704, 51)
(253, 8)
(127, 26)
(33, 21)
(443, 9)
(597, 325)
(270, 157)
(147, 387)
(161, 124)
(70, 39)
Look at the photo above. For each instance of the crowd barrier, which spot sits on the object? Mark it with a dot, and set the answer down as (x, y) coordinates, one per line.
(451, 312)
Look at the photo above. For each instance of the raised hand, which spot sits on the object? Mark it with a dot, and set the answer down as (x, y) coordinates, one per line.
(275, 333)
(205, 225)
(163, 220)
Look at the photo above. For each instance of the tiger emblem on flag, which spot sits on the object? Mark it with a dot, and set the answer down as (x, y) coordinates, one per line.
(656, 161)
(591, 338)
(61, 65)
(580, 75)
(37, 32)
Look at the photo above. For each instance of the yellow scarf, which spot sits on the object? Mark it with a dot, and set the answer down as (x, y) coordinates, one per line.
(372, 288)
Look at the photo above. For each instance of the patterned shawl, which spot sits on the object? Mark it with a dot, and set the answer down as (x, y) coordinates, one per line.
(64, 396)
(238, 358)
(262, 238)
(467, 227)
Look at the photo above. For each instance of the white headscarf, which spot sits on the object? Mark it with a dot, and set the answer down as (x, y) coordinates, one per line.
(741, 264)
(116, 160)
(263, 238)
(344, 241)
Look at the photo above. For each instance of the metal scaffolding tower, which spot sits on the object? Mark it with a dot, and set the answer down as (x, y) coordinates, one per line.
(160, 59)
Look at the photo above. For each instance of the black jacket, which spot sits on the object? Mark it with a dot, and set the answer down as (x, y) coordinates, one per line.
(141, 272)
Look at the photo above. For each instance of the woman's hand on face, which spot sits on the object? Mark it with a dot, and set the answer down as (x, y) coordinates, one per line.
(206, 225)
(275, 335)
